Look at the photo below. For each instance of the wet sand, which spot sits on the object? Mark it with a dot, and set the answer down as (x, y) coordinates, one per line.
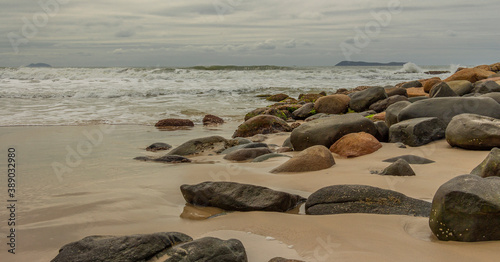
(106, 192)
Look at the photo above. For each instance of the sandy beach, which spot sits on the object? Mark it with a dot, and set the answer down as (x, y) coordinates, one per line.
(106, 192)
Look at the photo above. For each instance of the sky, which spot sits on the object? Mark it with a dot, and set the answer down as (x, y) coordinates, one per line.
(165, 33)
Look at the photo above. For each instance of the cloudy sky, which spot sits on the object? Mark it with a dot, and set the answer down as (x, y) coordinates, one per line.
(247, 32)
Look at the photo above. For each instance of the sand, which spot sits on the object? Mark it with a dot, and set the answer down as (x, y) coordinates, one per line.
(106, 192)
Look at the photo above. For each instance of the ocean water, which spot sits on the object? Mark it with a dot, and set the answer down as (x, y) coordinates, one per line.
(142, 96)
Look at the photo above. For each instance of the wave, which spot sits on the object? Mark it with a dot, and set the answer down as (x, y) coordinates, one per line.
(411, 68)
(242, 68)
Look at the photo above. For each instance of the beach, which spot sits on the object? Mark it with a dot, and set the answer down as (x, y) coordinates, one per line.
(104, 191)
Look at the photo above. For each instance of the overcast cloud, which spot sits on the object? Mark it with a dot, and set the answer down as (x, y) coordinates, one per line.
(247, 32)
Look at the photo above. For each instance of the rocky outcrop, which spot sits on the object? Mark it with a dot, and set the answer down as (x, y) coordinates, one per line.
(158, 147)
(476, 132)
(326, 131)
(418, 131)
(341, 199)
(311, 159)
(239, 197)
(355, 145)
(210, 144)
(119, 249)
(490, 166)
(263, 124)
(466, 209)
(172, 122)
(333, 104)
(208, 249)
(362, 100)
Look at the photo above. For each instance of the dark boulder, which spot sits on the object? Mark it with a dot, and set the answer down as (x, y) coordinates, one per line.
(485, 87)
(239, 197)
(208, 249)
(341, 199)
(212, 120)
(442, 90)
(467, 209)
(158, 146)
(173, 159)
(304, 112)
(490, 166)
(263, 124)
(392, 112)
(382, 105)
(200, 145)
(398, 168)
(362, 100)
(333, 104)
(418, 131)
(411, 159)
(171, 122)
(382, 131)
(475, 132)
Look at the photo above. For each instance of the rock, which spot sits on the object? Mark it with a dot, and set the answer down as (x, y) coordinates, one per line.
(239, 197)
(428, 84)
(398, 168)
(174, 159)
(362, 100)
(212, 120)
(290, 100)
(380, 117)
(411, 84)
(247, 154)
(248, 145)
(490, 166)
(312, 159)
(368, 113)
(294, 125)
(418, 131)
(396, 92)
(287, 143)
(411, 159)
(208, 249)
(119, 249)
(417, 98)
(273, 111)
(484, 87)
(327, 131)
(171, 122)
(382, 131)
(263, 124)
(158, 147)
(442, 90)
(240, 141)
(355, 145)
(200, 145)
(382, 105)
(267, 157)
(436, 72)
(475, 132)
(445, 108)
(277, 97)
(495, 96)
(392, 112)
(258, 138)
(460, 87)
(470, 74)
(304, 112)
(466, 209)
(333, 104)
(416, 92)
(309, 98)
(317, 116)
(341, 199)
(280, 259)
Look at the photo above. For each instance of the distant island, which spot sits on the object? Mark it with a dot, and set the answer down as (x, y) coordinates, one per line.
(360, 63)
(39, 65)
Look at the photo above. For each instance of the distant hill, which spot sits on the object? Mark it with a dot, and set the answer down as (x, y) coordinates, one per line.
(360, 63)
(39, 65)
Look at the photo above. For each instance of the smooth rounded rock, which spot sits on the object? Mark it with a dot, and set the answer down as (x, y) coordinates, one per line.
(475, 132)
(355, 145)
(312, 159)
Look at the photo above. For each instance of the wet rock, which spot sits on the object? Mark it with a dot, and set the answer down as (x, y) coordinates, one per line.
(239, 197)
(208, 249)
(263, 124)
(355, 145)
(418, 131)
(442, 90)
(247, 154)
(268, 156)
(212, 120)
(210, 144)
(119, 249)
(467, 209)
(304, 112)
(475, 132)
(172, 122)
(311, 159)
(158, 147)
(392, 112)
(327, 131)
(342, 199)
(382, 105)
(362, 100)
(398, 168)
(490, 166)
(470, 74)
(333, 104)
(411, 159)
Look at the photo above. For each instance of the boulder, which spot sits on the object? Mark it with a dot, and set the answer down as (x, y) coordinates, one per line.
(392, 112)
(382, 131)
(158, 147)
(411, 159)
(355, 145)
(212, 120)
(341, 199)
(239, 197)
(485, 87)
(333, 104)
(173, 159)
(268, 156)
(312, 159)
(326, 131)
(119, 249)
(460, 87)
(200, 145)
(442, 90)
(382, 105)
(396, 92)
(304, 112)
(247, 145)
(470, 74)
(411, 84)
(263, 124)
(208, 249)
(317, 116)
(445, 108)
(416, 92)
(418, 131)
(429, 83)
(398, 168)
(247, 154)
(475, 132)
(277, 97)
(490, 166)
(495, 96)
(467, 209)
(417, 98)
(362, 100)
(173, 122)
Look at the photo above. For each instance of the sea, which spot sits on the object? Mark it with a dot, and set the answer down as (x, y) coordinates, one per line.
(142, 96)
